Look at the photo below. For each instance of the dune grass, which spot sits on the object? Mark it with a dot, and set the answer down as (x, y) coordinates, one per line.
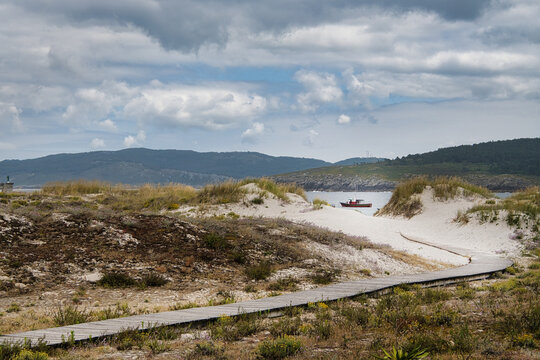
(77, 187)
(405, 200)
(165, 197)
(521, 210)
(279, 190)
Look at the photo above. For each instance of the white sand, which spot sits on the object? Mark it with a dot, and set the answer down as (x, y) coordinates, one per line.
(434, 225)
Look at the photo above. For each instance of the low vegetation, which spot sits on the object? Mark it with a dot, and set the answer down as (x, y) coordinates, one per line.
(520, 211)
(318, 203)
(496, 319)
(159, 197)
(405, 200)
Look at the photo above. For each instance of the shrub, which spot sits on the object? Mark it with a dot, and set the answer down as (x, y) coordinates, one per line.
(432, 343)
(120, 310)
(207, 348)
(215, 242)
(116, 280)
(232, 329)
(70, 315)
(30, 355)
(400, 354)
(324, 276)
(156, 346)
(464, 341)
(279, 348)
(153, 280)
(432, 295)
(260, 271)
(13, 307)
(318, 203)
(356, 314)
(257, 201)
(288, 283)
(128, 339)
(286, 326)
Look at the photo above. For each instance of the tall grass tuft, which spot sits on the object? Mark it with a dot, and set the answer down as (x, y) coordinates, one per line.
(76, 187)
(227, 192)
(279, 190)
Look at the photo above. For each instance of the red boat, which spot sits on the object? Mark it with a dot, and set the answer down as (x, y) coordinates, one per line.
(355, 203)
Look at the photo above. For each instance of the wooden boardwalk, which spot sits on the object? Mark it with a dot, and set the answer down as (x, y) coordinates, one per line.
(479, 266)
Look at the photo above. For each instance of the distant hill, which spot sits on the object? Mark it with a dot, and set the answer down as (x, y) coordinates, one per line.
(138, 166)
(498, 165)
(360, 160)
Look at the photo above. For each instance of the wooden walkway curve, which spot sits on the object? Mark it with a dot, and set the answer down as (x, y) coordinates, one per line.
(480, 266)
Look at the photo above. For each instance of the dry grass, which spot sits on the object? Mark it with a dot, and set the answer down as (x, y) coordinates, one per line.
(279, 190)
(406, 201)
(161, 197)
(77, 187)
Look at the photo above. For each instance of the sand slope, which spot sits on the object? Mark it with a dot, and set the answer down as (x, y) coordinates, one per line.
(434, 225)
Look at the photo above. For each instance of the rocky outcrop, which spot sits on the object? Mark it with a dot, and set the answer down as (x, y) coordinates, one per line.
(327, 182)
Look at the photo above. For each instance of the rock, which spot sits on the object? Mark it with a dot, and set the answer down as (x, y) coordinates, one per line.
(93, 276)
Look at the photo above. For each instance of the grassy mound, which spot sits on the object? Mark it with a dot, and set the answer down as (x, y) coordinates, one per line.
(406, 201)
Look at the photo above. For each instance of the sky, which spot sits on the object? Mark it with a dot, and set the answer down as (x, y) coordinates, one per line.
(309, 78)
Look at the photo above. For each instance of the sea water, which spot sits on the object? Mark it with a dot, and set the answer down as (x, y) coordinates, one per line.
(377, 198)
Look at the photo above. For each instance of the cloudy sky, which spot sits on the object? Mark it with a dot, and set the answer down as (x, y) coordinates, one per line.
(323, 79)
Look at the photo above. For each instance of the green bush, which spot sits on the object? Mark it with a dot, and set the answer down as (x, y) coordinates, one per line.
(207, 348)
(260, 271)
(232, 329)
(286, 326)
(215, 242)
(323, 277)
(400, 354)
(116, 280)
(257, 201)
(30, 355)
(279, 348)
(288, 283)
(70, 315)
(153, 280)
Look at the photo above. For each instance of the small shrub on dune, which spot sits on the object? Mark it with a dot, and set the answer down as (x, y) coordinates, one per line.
(31, 355)
(70, 315)
(318, 203)
(279, 348)
(259, 271)
(116, 280)
(153, 280)
(323, 277)
(215, 242)
(400, 354)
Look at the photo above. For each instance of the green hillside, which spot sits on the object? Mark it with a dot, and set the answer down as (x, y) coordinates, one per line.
(509, 164)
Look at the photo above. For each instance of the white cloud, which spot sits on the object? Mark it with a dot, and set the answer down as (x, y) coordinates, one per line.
(108, 125)
(209, 107)
(9, 117)
(137, 140)
(321, 88)
(310, 139)
(343, 119)
(97, 143)
(251, 134)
